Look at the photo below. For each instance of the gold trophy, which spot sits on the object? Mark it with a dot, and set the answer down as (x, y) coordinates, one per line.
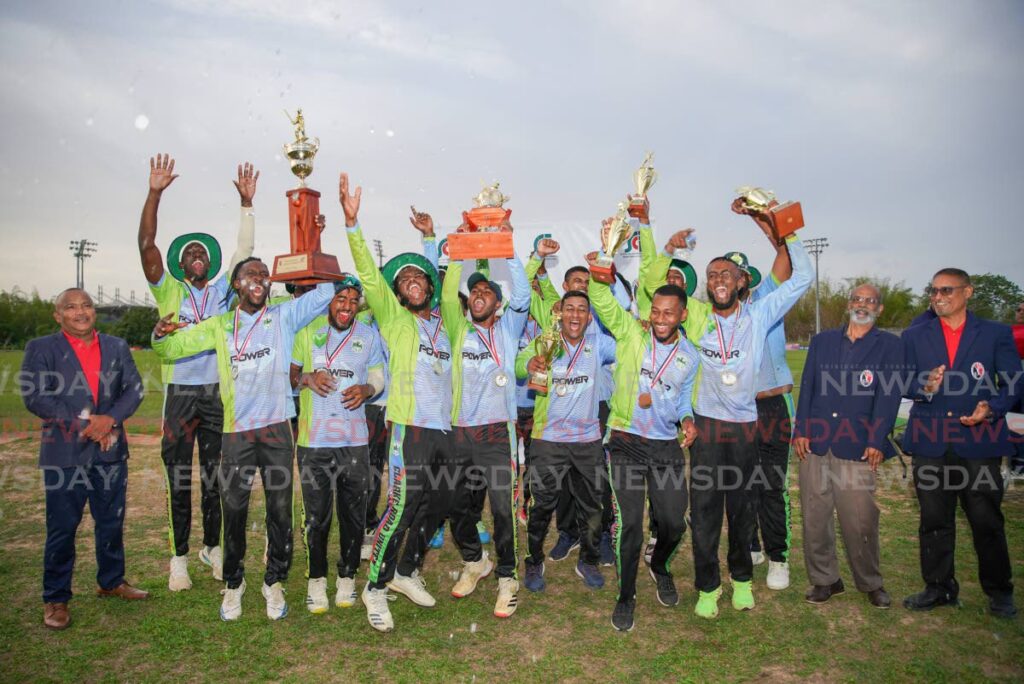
(644, 179)
(306, 264)
(613, 236)
(549, 343)
(785, 219)
(484, 238)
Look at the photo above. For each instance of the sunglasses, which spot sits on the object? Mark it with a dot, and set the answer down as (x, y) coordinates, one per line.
(945, 290)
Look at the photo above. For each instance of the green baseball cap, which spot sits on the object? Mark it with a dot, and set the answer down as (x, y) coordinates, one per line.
(740, 259)
(689, 274)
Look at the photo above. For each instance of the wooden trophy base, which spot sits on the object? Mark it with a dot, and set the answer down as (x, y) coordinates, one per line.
(638, 206)
(481, 245)
(308, 268)
(787, 218)
(537, 387)
(603, 273)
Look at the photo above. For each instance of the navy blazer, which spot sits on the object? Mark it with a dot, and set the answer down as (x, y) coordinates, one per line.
(53, 387)
(848, 406)
(986, 368)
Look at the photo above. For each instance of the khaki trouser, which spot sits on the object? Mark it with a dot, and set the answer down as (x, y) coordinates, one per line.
(828, 483)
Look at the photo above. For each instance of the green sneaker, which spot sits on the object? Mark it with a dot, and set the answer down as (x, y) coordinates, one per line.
(742, 596)
(707, 604)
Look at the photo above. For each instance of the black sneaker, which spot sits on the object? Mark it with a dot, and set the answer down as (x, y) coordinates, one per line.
(667, 594)
(563, 547)
(1001, 605)
(932, 597)
(622, 616)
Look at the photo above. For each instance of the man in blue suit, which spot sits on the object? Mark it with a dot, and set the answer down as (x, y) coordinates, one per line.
(849, 396)
(965, 376)
(83, 386)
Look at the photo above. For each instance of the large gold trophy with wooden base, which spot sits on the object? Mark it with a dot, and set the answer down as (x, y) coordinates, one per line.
(784, 219)
(306, 264)
(483, 237)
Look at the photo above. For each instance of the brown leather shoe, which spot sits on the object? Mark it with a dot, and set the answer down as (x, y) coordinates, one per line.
(879, 598)
(56, 616)
(819, 594)
(125, 591)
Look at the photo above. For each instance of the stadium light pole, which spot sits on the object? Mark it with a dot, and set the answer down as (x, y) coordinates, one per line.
(378, 247)
(82, 250)
(816, 246)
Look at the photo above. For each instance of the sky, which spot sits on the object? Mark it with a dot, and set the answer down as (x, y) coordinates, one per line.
(896, 124)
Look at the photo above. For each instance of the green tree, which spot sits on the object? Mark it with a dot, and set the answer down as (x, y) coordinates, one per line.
(995, 297)
(135, 325)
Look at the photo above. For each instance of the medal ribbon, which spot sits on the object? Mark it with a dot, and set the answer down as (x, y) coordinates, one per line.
(654, 361)
(432, 338)
(575, 356)
(344, 341)
(721, 340)
(488, 342)
(192, 300)
(245, 342)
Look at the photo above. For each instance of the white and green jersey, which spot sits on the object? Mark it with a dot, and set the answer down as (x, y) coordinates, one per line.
(661, 373)
(254, 353)
(348, 355)
(419, 351)
(190, 305)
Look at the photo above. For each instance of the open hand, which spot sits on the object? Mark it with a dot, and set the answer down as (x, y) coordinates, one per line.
(161, 172)
(246, 183)
(349, 203)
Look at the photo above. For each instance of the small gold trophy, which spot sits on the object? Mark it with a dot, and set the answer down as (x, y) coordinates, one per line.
(484, 238)
(613, 235)
(644, 179)
(785, 218)
(306, 264)
(549, 343)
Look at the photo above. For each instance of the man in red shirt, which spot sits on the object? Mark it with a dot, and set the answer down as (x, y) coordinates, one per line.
(83, 386)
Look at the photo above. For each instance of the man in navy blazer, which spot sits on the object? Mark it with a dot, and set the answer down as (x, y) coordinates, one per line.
(849, 396)
(84, 386)
(965, 376)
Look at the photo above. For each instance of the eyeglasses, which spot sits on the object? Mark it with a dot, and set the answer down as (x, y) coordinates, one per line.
(945, 290)
(857, 299)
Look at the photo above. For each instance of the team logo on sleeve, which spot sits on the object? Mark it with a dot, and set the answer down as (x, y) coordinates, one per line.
(866, 378)
(977, 370)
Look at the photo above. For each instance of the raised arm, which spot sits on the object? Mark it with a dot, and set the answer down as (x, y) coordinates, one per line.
(379, 295)
(610, 311)
(422, 222)
(161, 175)
(300, 312)
(773, 306)
(246, 186)
(169, 343)
(648, 252)
(451, 305)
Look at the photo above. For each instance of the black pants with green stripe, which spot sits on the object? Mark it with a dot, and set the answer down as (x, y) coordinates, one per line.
(420, 485)
(642, 469)
(333, 478)
(192, 413)
(268, 452)
(579, 468)
(770, 485)
(378, 438)
(486, 465)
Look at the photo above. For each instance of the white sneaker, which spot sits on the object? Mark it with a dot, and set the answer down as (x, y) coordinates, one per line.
(508, 597)
(231, 606)
(414, 587)
(212, 556)
(346, 594)
(377, 611)
(757, 557)
(179, 579)
(316, 596)
(778, 575)
(472, 573)
(277, 607)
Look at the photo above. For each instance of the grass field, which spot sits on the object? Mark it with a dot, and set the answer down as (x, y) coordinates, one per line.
(561, 634)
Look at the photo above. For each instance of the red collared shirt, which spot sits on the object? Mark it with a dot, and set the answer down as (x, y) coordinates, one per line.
(1018, 339)
(88, 353)
(952, 339)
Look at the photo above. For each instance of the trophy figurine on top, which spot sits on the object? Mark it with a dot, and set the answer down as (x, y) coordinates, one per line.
(782, 219)
(484, 233)
(306, 264)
